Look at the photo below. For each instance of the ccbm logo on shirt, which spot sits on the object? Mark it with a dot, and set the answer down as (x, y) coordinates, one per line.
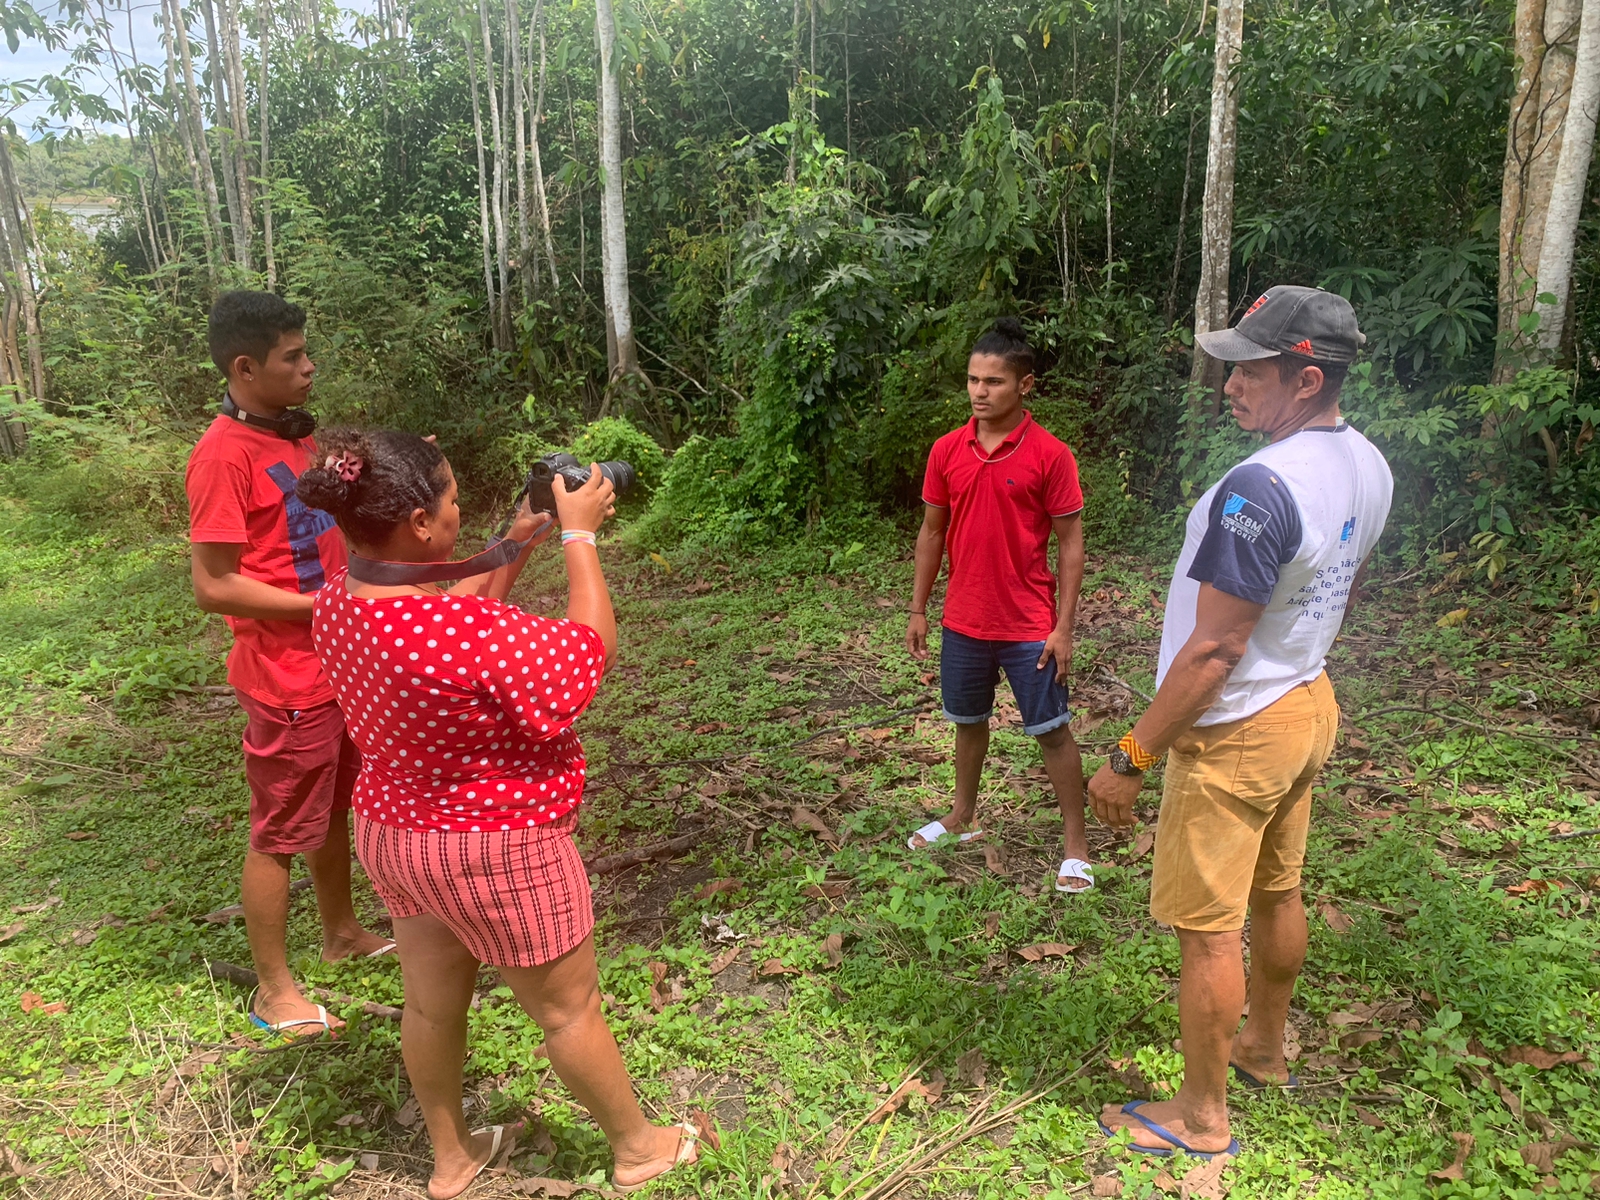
(1241, 517)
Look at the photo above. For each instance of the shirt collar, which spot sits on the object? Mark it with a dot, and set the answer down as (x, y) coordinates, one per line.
(1008, 443)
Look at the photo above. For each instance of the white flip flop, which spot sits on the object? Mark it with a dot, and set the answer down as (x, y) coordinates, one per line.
(688, 1138)
(496, 1143)
(1075, 868)
(285, 1026)
(382, 950)
(933, 831)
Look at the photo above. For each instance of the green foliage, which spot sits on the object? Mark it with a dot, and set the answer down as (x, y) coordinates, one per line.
(615, 438)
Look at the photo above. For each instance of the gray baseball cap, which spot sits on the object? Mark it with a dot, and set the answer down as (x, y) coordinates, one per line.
(1287, 319)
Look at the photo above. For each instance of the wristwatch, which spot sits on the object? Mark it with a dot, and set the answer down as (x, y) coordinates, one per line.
(1120, 763)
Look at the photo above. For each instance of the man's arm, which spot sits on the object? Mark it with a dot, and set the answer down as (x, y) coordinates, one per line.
(1069, 583)
(930, 555)
(219, 588)
(1222, 628)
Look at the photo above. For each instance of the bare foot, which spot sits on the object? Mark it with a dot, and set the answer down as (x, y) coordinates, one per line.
(951, 823)
(289, 1005)
(451, 1178)
(358, 943)
(656, 1154)
(1268, 1068)
(1208, 1138)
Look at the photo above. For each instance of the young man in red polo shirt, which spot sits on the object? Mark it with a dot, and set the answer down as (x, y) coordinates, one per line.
(258, 557)
(994, 492)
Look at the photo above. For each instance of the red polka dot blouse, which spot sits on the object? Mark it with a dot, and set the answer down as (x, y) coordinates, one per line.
(462, 707)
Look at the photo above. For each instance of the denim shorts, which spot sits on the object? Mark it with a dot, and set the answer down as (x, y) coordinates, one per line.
(969, 669)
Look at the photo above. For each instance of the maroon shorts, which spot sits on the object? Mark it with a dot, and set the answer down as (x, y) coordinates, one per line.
(301, 767)
(515, 897)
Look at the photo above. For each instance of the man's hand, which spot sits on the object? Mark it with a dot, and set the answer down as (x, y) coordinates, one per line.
(1112, 796)
(917, 636)
(1059, 647)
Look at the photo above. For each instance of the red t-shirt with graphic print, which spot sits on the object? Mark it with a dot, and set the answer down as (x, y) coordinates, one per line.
(1001, 508)
(462, 707)
(240, 483)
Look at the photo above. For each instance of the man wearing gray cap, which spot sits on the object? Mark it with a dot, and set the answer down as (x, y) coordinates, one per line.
(1243, 707)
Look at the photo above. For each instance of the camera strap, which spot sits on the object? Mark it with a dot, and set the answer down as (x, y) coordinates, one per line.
(383, 573)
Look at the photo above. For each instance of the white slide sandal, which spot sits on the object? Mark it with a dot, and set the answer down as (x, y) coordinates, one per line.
(1075, 868)
(933, 831)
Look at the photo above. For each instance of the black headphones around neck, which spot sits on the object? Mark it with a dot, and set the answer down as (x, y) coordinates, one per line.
(292, 425)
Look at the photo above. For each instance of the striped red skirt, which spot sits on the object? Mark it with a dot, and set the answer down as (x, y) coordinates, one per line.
(515, 898)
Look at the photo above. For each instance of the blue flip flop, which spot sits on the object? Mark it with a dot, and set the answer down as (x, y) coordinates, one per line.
(1261, 1085)
(1166, 1135)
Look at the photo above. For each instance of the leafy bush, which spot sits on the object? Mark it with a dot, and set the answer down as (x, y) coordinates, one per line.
(616, 438)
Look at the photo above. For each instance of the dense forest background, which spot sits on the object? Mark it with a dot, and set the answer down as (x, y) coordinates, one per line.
(824, 203)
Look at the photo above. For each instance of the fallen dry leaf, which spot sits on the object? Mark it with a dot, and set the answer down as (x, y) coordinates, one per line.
(152, 864)
(33, 1002)
(1457, 1170)
(539, 1185)
(1340, 1019)
(1043, 950)
(1143, 843)
(710, 727)
(369, 1161)
(15, 1163)
(1337, 921)
(994, 860)
(81, 835)
(1204, 1182)
(708, 1130)
(723, 961)
(658, 994)
(1538, 1056)
(1126, 1072)
(350, 1119)
(409, 1114)
(828, 889)
(782, 1158)
(11, 931)
(911, 1087)
(716, 887)
(1109, 1184)
(833, 950)
(774, 966)
(1541, 1156)
(1367, 1117)
(33, 908)
(991, 925)
(804, 818)
(84, 937)
(1360, 1038)
(1533, 887)
(971, 1070)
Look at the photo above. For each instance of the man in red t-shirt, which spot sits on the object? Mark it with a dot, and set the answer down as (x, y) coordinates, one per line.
(258, 557)
(994, 492)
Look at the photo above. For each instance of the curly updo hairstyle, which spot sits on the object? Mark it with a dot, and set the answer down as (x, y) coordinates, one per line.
(1009, 340)
(377, 479)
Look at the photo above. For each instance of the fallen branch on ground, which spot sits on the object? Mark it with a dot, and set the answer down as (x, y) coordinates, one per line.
(609, 864)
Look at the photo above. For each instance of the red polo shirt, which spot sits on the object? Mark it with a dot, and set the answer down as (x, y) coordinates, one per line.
(1001, 506)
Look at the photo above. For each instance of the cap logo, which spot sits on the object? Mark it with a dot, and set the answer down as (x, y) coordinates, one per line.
(1303, 346)
(1260, 300)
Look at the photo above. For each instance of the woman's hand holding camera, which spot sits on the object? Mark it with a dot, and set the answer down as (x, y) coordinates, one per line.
(531, 527)
(586, 507)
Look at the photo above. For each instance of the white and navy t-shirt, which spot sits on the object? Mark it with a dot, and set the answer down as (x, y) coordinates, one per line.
(1287, 528)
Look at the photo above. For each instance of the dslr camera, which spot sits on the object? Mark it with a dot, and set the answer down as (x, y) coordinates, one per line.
(541, 496)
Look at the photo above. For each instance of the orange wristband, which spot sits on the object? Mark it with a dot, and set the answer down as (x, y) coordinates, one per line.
(1137, 754)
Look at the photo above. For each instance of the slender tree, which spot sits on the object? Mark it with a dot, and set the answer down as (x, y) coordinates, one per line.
(1212, 301)
(1567, 186)
(614, 235)
(502, 251)
(222, 107)
(185, 129)
(191, 112)
(19, 269)
(484, 227)
(233, 63)
(264, 109)
(540, 198)
(527, 262)
(1543, 36)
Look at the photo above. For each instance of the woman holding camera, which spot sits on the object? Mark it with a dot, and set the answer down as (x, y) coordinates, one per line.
(471, 776)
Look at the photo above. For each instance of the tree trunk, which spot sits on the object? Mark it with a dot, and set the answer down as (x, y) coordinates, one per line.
(180, 119)
(1111, 152)
(223, 109)
(1212, 300)
(540, 198)
(13, 216)
(233, 61)
(483, 192)
(615, 234)
(1170, 307)
(605, 237)
(502, 252)
(1543, 40)
(527, 264)
(197, 134)
(1567, 186)
(263, 104)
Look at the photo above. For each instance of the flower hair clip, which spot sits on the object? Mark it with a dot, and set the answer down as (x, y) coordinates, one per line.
(346, 466)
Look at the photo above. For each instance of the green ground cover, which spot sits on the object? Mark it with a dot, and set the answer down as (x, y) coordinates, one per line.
(1451, 989)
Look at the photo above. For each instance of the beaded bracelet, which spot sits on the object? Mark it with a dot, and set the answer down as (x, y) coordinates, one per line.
(568, 536)
(1137, 754)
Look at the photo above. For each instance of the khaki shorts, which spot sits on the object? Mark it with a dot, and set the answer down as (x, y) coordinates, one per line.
(1236, 807)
